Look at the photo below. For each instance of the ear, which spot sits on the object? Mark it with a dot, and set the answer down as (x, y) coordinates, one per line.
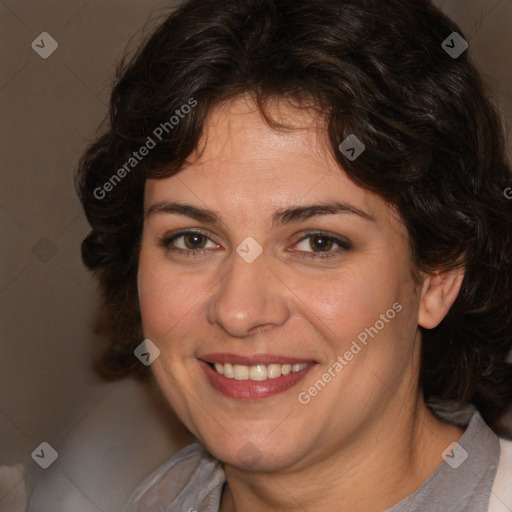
(438, 293)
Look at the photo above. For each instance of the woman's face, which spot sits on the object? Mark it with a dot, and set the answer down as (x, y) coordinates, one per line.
(284, 261)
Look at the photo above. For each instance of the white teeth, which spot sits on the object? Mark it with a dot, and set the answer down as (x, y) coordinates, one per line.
(258, 372)
(274, 370)
(241, 372)
(228, 371)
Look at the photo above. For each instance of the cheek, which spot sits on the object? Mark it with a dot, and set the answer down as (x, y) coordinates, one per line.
(344, 305)
(168, 300)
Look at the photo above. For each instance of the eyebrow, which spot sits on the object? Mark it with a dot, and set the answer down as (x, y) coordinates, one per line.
(280, 217)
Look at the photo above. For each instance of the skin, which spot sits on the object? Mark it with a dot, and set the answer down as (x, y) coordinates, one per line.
(367, 440)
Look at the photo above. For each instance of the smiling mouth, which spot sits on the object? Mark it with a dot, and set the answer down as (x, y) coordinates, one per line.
(259, 372)
(256, 381)
(245, 376)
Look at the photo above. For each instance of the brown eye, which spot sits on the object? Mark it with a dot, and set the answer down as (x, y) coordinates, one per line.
(194, 241)
(321, 243)
(188, 243)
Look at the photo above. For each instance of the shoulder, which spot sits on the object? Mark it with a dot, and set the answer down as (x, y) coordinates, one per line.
(501, 496)
(189, 475)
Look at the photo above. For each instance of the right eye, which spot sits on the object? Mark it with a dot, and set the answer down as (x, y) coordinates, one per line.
(189, 243)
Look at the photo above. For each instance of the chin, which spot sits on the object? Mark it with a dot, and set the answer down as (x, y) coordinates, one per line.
(248, 455)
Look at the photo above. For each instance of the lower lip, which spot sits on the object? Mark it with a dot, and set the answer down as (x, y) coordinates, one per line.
(253, 389)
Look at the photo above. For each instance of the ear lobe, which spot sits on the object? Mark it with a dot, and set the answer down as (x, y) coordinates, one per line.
(438, 293)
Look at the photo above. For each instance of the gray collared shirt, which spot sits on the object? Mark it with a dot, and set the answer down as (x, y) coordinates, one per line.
(193, 480)
(465, 487)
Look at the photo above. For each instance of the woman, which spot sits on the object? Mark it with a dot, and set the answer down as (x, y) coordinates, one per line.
(299, 206)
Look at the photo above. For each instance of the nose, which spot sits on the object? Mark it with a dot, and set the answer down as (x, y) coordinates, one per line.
(250, 298)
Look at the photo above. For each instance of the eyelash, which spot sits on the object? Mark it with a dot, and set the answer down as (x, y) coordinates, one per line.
(344, 245)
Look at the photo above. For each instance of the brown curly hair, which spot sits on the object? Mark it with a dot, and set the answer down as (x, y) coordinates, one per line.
(435, 150)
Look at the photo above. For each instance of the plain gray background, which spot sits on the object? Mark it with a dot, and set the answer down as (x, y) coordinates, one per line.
(108, 435)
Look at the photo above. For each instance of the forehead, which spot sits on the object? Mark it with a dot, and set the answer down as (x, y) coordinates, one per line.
(242, 162)
(240, 123)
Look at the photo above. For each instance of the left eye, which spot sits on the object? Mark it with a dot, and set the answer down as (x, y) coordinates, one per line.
(322, 243)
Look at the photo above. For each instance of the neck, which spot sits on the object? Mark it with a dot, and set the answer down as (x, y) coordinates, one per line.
(372, 473)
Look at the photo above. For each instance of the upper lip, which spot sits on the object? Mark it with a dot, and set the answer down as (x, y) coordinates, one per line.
(252, 359)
